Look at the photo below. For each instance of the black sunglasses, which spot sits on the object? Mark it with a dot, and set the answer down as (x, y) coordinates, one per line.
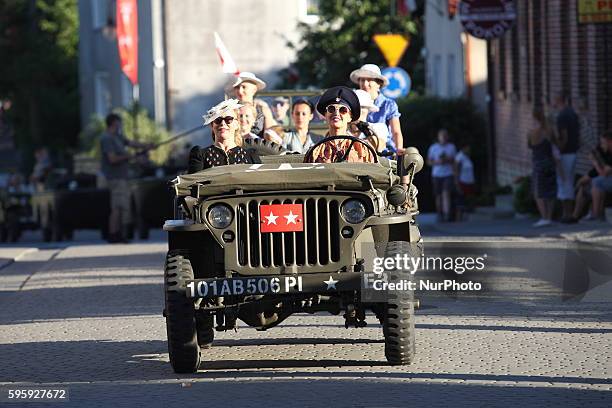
(227, 120)
(343, 110)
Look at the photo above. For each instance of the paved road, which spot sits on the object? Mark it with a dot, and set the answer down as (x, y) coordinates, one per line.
(88, 317)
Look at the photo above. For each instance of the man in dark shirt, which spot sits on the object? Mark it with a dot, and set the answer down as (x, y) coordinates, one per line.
(599, 178)
(568, 136)
(115, 159)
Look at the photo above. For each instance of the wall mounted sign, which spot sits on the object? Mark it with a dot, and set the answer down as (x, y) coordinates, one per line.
(594, 11)
(487, 19)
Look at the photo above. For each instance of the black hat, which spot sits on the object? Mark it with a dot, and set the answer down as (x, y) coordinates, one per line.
(342, 95)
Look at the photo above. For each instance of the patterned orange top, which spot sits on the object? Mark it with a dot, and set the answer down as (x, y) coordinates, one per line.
(332, 151)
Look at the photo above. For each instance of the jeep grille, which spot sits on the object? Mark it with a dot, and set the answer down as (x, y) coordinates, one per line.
(318, 244)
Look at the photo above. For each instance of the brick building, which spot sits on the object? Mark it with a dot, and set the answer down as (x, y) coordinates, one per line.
(548, 51)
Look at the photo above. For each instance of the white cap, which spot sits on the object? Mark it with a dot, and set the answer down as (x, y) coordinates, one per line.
(365, 100)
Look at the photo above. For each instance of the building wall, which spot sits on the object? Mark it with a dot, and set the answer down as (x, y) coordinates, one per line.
(456, 62)
(547, 52)
(256, 36)
(445, 55)
(179, 71)
(103, 86)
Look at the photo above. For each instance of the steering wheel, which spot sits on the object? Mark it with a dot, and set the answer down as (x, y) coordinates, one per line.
(353, 140)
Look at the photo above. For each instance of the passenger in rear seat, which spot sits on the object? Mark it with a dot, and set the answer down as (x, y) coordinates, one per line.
(223, 119)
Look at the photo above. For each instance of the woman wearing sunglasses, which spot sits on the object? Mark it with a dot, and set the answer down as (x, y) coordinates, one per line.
(223, 119)
(339, 106)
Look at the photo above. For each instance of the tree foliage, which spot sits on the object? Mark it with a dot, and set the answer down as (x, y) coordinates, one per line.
(39, 71)
(342, 41)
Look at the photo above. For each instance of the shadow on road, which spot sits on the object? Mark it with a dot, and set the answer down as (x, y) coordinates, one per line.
(94, 361)
(291, 341)
(81, 302)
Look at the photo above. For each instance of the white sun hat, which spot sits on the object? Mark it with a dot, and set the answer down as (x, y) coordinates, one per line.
(245, 76)
(368, 71)
(220, 109)
(365, 100)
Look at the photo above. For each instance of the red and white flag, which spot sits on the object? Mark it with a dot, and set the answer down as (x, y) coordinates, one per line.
(228, 66)
(127, 38)
(281, 218)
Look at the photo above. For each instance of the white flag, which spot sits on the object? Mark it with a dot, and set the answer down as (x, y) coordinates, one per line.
(228, 65)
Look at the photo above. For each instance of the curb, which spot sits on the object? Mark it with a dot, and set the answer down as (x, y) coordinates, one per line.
(7, 257)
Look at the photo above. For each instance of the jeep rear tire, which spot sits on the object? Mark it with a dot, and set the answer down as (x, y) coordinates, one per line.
(398, 317)
(180, 315)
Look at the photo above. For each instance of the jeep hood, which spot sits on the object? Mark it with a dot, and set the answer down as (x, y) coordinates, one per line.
(284, 176)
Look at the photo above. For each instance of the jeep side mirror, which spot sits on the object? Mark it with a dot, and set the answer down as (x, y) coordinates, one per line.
(411, 158)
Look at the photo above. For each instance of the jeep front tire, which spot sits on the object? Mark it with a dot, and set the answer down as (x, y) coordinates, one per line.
(398, 316)
(181, 325)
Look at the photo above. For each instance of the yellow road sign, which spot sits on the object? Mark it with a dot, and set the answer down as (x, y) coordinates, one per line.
(392, 47)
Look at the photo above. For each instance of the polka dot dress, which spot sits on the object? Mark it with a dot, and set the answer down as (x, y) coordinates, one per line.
(211, 156)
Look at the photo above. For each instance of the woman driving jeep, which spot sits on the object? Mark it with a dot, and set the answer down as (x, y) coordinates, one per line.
(225, 149)
(340, 106)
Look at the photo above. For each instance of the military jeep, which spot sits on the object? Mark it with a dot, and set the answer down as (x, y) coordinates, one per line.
(259, 242)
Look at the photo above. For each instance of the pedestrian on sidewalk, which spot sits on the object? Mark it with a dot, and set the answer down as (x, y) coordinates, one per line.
(465, 181)
(588, 139)
(568, 139)
(544, 178)
(597, 183)
(441, 157)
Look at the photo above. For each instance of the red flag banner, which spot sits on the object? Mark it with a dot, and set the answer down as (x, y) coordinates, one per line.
(281, 218)
(127, 38)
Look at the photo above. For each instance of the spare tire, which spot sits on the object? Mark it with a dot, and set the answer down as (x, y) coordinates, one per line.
(262, 147)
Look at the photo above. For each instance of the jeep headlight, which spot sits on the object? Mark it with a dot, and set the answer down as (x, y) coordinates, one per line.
(220, 216)
(353, 211)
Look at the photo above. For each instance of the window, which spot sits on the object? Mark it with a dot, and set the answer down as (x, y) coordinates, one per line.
(450, 82)
(437, 71)
(516, 61)
(528, 30)
(102, 95)
(308, 10)
(501, 42)
(537, 52)
(99, 13)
